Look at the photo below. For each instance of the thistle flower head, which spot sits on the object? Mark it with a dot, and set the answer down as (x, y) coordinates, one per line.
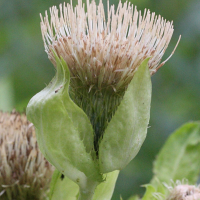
(104, 52)
(24, 172)
(179, 190)
(184, 192)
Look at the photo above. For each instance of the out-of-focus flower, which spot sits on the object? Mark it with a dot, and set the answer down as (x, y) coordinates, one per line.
(184, 192)
(103, 54)
(24, 172)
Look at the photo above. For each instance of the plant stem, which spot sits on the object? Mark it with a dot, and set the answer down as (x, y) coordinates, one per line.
(86, 192)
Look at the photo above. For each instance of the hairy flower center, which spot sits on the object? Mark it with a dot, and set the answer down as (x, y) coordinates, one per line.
(99, 105)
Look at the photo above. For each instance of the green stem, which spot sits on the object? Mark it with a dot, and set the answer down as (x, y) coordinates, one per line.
(86, 192)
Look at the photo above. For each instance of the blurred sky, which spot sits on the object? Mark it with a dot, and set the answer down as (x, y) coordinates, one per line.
(25, 69)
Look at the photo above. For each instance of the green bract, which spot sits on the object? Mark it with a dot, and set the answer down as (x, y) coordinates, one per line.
(128, 127)
(66, 137)
(63, 130)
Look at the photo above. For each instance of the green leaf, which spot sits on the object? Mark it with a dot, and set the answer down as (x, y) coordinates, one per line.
(105, 189)
(64, 188)
(135, 197)
(150, 192)
(128, 127)
(64, 133)
(180, 157)
(6, 94)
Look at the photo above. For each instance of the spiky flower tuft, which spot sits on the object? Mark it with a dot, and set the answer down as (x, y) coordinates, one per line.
(184, 192)
(104, 54)
(24, 172)
(179, 190)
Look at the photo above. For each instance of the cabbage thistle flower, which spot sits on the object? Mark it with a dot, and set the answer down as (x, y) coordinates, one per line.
(103, 56)
(24, 172)
(181, 190)
(92, 118)
(184, 192)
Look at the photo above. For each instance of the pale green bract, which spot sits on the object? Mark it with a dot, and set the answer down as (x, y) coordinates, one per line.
(64, 133)
(66, 137)
(127, 129)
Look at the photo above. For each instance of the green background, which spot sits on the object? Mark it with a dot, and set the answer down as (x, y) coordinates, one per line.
(25, 69)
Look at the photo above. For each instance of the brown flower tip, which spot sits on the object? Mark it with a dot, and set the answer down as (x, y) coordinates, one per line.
(24, 172)
(105, 53)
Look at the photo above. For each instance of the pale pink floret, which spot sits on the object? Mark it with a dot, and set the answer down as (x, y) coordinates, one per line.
(185, 192)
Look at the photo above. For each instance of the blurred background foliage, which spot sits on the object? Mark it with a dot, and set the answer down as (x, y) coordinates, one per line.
(25, 69)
